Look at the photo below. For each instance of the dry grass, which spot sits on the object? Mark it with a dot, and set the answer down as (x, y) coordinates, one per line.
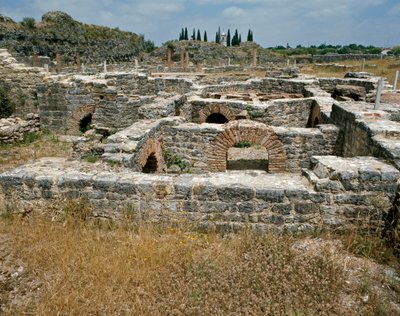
(43, 144)
(91, 269)
(380, 67)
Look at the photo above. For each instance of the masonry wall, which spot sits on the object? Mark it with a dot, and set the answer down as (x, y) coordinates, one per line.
(288, 113)
(354, 137)
(115, 102)
(266, 85)
(266, 202)
(19, 83)
(329, 84)
(191, 142)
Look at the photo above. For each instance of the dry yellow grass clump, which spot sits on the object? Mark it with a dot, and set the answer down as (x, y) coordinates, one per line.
(86, 270)
(101, 268)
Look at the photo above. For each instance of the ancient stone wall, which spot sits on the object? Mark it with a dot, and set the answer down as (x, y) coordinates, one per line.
(333, 197)
(13, 129)
(289, 113)
(19, 83)
(329, 84)
(266, 85)
(354, 136)
(205, 146)
(114, 102)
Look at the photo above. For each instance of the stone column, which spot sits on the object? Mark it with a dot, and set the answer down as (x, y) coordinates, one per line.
(396, 78)
(78, 62)
(35, 60)
(182, 57)
(169, 57)
(58, 63)
(378, 94)
(187, 60)
(254, 57)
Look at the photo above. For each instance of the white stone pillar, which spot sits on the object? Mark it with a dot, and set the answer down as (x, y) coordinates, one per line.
(378, 94)
(396, 78)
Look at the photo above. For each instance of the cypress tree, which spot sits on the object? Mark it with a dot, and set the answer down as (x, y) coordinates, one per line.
(228, 38)
(240, 39)
(193, 35)
(235, 39)
(181, 35)
(198, 36)
(249, 36)
(186, 37)
(205, 39)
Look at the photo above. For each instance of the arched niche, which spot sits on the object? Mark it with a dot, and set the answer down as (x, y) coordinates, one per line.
(246, 131)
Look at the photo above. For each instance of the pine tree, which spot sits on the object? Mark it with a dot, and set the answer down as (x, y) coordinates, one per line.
(198, 36)
(193, 35)
(228, 38)
(186, 37)
(205, 39)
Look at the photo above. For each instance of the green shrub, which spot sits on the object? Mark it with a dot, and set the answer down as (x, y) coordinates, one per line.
(243, 144)
(28, 22)
(92, 158)
(171, 159)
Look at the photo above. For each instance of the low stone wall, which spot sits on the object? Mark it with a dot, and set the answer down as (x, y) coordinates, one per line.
(266, 85)
(335, 196)
(13, 129)
(329, 84)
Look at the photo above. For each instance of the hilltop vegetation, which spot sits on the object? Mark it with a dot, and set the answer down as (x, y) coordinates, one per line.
(324, 49)
(58, 32)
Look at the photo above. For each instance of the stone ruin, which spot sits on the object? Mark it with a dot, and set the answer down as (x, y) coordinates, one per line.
(274, 153)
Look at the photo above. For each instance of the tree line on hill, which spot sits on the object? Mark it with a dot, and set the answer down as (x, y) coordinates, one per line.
(324, 49)
(219, 37)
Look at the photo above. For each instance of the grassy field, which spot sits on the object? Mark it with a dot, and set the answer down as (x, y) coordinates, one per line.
(379, 67)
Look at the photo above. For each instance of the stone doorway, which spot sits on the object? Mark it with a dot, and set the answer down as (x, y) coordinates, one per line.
(85, 123)
(151, 164)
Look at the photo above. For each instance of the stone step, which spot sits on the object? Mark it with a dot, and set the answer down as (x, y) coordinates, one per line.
(121, 158)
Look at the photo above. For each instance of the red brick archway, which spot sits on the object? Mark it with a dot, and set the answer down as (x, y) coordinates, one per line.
(77, 116)
(250, 131)
(207, 110)
(152, 149)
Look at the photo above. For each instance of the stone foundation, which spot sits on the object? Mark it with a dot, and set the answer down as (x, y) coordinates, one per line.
(329, 196)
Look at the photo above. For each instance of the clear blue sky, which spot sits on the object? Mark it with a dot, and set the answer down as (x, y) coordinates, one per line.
(274, 22)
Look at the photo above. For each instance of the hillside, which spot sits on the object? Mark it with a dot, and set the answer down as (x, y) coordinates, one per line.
(212, 53)
(58, 32)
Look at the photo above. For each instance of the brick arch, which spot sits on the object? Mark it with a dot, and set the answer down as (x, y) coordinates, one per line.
(216, 108)
(77, 116)
(246, 130)
(151, 147)
(315, 117)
